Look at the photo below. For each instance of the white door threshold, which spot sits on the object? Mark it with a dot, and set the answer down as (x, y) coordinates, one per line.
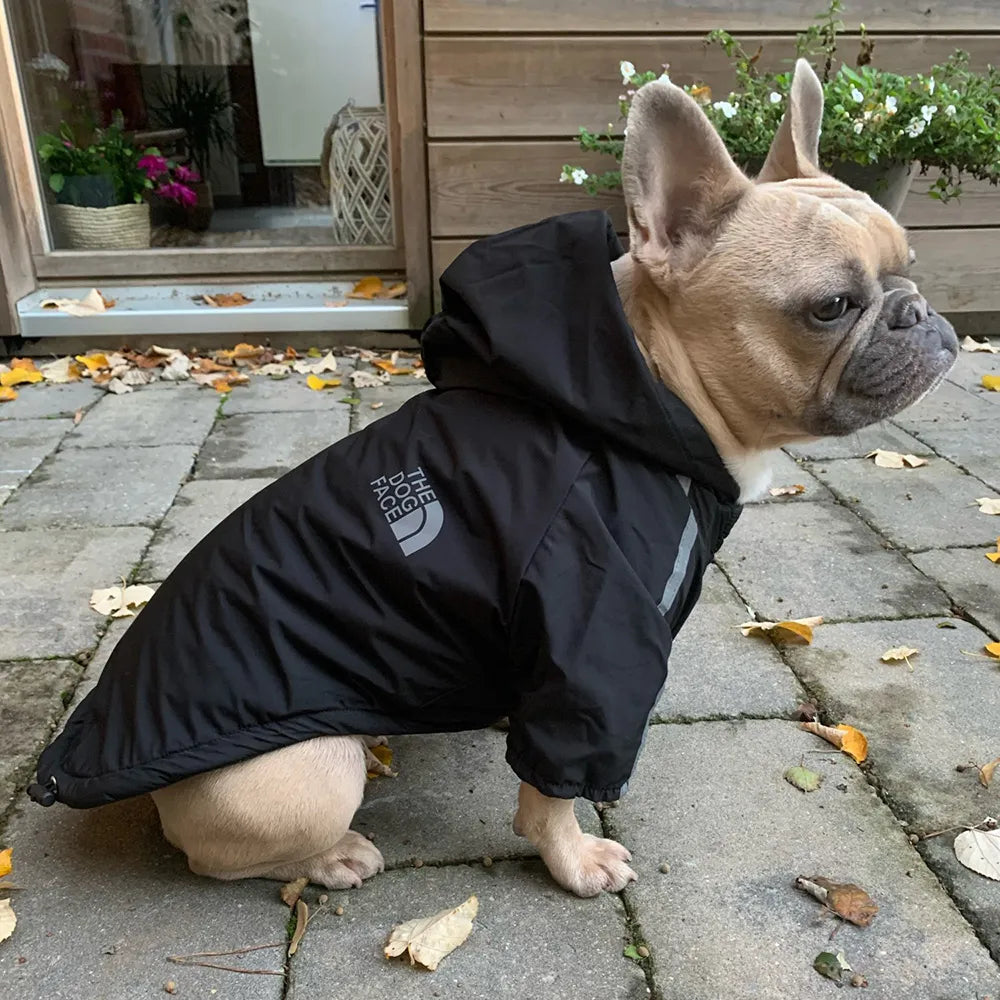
(277, 307)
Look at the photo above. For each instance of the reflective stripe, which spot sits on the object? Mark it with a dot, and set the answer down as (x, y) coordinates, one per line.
(679, 572)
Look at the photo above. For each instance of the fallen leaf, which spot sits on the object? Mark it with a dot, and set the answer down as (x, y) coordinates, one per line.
(301, 922)
(383, 755)
(366, 288)
(177, 369)
(291, 891)
(5, 861)
(327, 363)
(846, 738)
(226, 300)
(366, 380)
(395, 291)
(702, 94)
(979, 345)
(846, 899)
(420, 373)
(391, 369)
(19, 376)
(7, 919)
(317, 383)
(429, 939)
(787, 491)
(119, 601)
(274, 369)
(314, 352)
(93, 362)
(994, 556)
(946, 625)
(246, 350)
(117, 386)
(988, 505)
(993, 648)
(803, 778)
(991, 382)
(898, 653)
(979, 850)
(895, 460)
(205, 365)
(91, 304)
(351, 400)
(985, 773)
(830, 965)
(791, 630)
(138, 376)
(807, 711)
(8, 394)
(632, 952)
(339, 304)
(27, 364)
(377, 405)
(61, 371)
(77, 417)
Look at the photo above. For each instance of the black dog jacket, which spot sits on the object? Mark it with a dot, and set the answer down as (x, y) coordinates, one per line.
(524, 540)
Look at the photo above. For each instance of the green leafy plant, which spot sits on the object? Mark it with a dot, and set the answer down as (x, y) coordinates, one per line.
(200, 105)
(948, 118)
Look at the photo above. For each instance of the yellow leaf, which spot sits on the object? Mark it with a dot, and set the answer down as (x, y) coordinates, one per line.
(26, 363)
(119, 601)
(787, 491)
(899, 653)
(5, 861)
(986, 772)
(7, 394)
(994, 556)
(396, 291)
(388, 366)
(7, 919)
(430, 939)
(317, 383)
(93, 361)
(895, 460)
(703, 94)
(991, 382)
(791, 630)
(366, 288)
(993, 648)
(383, 755)
(988, 505)
(846, 738)
(17, 376)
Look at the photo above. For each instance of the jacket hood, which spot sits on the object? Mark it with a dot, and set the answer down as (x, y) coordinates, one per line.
(534, 313)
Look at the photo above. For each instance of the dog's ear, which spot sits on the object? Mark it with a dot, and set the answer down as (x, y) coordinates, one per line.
(679, 180)
(795, 150)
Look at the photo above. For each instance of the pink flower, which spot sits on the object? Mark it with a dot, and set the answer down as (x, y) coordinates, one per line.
(67, 144)
(154, 166)
(186, 174)
(180, 193)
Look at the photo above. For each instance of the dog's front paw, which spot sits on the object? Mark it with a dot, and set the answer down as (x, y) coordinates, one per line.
(590, 865)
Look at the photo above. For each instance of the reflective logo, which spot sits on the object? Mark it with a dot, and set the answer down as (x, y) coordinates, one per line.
(410, 507)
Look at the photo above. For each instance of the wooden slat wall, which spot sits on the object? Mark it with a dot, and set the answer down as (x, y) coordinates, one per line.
(508, 84)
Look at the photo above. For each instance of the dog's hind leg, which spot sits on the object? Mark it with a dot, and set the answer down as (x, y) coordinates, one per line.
(281, 815)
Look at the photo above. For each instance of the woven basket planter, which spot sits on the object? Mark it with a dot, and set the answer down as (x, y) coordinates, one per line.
(358, 166)
(120, 227)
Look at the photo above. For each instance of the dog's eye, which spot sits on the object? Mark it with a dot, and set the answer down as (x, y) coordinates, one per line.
(832, 310)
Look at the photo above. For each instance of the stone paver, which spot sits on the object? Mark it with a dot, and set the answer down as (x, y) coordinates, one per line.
(530, 940)
(819, 559)
(268, 444)
(45, 400)
(106, 899)
(726, 921)
(391, 398)
(915, 509)
(453, 801)
(975, 446)
(859, 444)
(715, 671)
(969, 578)
(947, 406)
(95, 666)
(970, 367)
(178, 415)
(267, 395)
(46, 583)
(199, 506)
(31, 704)
(24, 444)
(789, 472)
(84, 487)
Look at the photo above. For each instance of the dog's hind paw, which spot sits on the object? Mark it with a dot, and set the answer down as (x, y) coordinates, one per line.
(591, 866)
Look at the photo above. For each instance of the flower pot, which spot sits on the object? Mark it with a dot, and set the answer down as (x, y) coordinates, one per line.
(119, 227)
(887, 184)
(198, 216)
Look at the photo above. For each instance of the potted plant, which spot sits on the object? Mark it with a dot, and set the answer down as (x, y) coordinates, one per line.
(202, 107)
(876, 125)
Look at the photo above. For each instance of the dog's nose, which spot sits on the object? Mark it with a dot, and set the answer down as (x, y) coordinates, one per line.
(905, 308)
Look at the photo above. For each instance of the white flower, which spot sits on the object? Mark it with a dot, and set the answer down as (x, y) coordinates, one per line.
(775, 97)
(930, 86)
(857, 95)
(916, 127)
(859, 127)
(867, 115)
(579, 175)
(627, 69)
(729, 110)
(663, 78)
(928, 111)
(890, 105)
(950, 110)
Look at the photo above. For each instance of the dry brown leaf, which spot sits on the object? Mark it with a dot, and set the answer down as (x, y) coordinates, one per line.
(790, 630)
(203, 366)
(91, 304)
(339, 304)
(979, 851)
(291, 891)
(27, 364)
(119, 602)
(377, 405)
(429, 939)
(994, 556)
(845, 738)
(383, 755)
(116, 385)
(77, 417)
(6, 864)
(390, 368)
(986, 772)
(988, 505)
(301, 923)
(979, 345)
(61, 371)
(895, 460)
(7, 919)
(787, 491)
(702, 94)
(898, 653)
(367, 288)
(8, 394)
(226, 300)
(846, 899)
(396, 291)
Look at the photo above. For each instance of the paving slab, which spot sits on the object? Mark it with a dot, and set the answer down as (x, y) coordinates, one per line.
(47, 400)
(106, 899)
(806, 559)
(264, 445)
(975, 447)
(200, 505)
(83, 487)
(25, 444)
(924, 508)
(453, 801)
(859, 444)
(726, 921)
(95, 666)
(530, 940)
(715, 672)
(268, 395)
(5, 492)
(32, 703)
(173, 416)
(390, 398)
(969, 579)
(948, 406)
(46, 583)
(789, 472)
(970, 368)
